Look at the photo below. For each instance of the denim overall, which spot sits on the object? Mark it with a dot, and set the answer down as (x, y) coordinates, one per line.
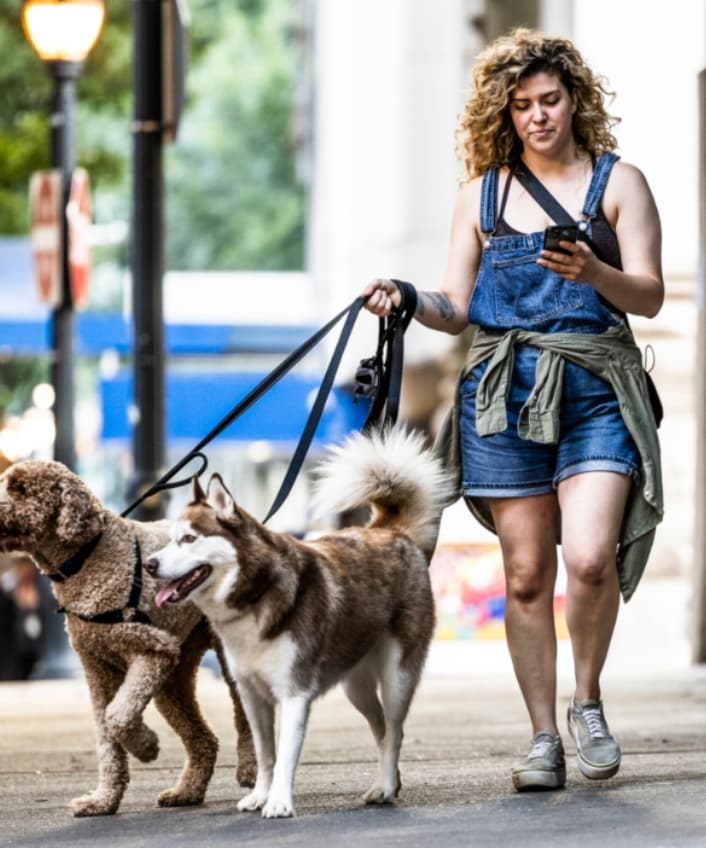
(513, 291)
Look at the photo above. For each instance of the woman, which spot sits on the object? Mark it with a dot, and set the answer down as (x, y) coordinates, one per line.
(555, 434)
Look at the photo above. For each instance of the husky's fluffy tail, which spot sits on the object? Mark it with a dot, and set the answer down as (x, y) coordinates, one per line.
(392, 471)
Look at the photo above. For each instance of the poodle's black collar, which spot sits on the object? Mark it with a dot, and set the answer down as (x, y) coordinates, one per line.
(131, 611)
(75, 563)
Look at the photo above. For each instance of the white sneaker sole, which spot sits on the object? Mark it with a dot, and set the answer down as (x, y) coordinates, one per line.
(539, 779)
(594, 772)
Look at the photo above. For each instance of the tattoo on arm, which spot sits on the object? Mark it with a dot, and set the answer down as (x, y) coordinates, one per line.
(441, 303)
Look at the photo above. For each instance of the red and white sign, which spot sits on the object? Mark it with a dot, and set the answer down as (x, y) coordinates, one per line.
(78, 214)
(45, 205)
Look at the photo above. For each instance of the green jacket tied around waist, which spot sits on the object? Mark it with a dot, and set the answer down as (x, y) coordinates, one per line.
(612, 355)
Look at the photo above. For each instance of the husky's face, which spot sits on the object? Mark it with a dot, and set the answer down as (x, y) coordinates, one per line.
(200, 552)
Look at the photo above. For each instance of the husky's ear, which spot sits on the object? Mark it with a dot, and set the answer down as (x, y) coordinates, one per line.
(219, 497)
(197, 493)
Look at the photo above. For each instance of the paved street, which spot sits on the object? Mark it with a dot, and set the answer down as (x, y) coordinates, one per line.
(463, 735)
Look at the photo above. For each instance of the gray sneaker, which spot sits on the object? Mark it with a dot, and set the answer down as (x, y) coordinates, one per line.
(544, 767)
(597, 753)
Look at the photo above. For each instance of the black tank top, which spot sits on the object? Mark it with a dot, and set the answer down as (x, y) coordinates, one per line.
(603, 236)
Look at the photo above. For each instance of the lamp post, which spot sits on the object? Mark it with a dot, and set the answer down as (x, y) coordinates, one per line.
(63, 32)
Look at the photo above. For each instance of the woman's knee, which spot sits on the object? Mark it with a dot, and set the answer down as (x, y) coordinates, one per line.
(593, 567)
(528, 581)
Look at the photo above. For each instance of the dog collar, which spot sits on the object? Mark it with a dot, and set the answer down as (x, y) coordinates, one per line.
(75, 563)
(130, 612)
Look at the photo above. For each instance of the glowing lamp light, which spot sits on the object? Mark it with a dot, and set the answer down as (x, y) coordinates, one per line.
(63, 30)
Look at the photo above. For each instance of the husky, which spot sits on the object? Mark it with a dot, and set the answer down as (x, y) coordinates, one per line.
(295, 617)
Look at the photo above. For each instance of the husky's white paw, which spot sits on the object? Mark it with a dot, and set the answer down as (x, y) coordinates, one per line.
(278, 808)
(377, 795)
(254, 800)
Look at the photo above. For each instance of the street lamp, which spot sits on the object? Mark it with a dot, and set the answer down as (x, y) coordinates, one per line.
(63, 32)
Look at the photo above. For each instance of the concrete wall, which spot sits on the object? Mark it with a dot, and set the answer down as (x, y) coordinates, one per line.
(651, 53)
(390, 82)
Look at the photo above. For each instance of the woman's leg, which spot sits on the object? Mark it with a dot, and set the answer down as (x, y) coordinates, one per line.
(527, 529)
(592, 506)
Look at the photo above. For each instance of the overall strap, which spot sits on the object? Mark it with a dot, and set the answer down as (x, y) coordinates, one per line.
(601, 172)
(489, 201)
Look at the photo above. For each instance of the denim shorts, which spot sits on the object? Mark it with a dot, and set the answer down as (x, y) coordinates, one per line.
(592, 436)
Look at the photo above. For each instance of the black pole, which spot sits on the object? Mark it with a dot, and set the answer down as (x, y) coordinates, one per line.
(147, 258)
(62, 326)
(698, 597)
(57, 660)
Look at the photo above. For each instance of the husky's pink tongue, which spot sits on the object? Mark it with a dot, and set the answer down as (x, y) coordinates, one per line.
(179, 589)
(165, 593)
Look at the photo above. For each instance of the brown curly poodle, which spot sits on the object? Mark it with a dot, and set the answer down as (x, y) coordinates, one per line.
(131, 651)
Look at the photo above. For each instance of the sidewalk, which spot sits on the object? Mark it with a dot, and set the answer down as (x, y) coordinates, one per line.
(463, 735)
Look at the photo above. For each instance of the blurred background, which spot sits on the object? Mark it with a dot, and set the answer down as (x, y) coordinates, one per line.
(310, 150)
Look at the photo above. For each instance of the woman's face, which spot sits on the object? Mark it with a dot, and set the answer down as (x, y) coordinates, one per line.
(541, 110)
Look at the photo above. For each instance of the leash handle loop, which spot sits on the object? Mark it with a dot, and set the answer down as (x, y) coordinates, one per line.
(389, 360)
(163, 483)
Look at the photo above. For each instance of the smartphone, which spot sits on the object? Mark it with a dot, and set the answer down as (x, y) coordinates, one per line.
(553, 235)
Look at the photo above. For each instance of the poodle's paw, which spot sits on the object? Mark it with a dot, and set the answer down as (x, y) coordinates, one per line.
(379, 795)
(278, 808)
(180, 798)
(254, 800)
(132, 733)
(142, 743)
(93, 805)
(246, 773)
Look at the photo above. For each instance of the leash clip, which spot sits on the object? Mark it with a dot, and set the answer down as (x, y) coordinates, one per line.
(367, 378)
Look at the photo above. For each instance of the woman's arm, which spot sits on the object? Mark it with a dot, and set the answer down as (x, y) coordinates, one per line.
(446, 309)
(630, 208)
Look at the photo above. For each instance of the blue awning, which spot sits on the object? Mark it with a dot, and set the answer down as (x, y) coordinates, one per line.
(196, 402)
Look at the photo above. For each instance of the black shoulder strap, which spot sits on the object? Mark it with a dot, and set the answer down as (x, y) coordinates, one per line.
(544, 197)
(550, 204)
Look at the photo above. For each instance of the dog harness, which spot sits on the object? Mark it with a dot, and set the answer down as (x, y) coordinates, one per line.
(130, 612)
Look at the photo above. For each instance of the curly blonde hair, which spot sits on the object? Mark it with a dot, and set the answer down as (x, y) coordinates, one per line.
(486, 137)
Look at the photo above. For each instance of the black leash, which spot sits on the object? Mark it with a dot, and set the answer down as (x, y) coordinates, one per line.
(387, 364)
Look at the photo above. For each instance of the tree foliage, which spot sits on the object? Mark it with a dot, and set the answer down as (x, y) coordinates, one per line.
(17, 379)
(233, 199)
(25, 98)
